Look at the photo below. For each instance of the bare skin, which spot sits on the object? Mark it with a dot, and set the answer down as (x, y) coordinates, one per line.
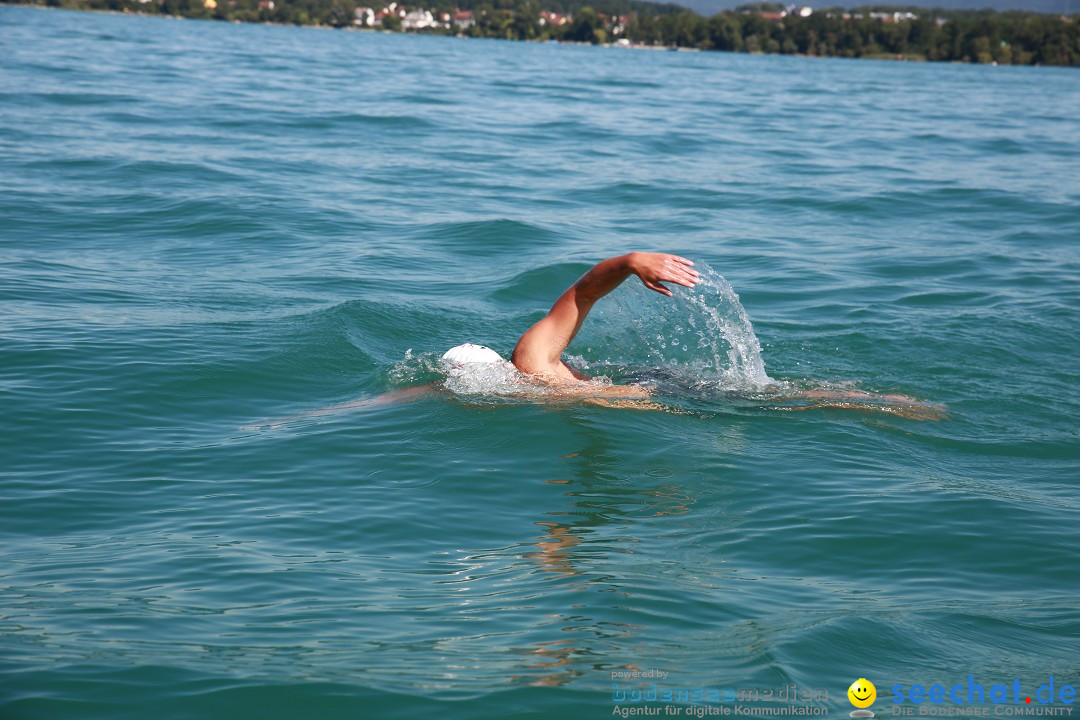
(539, 351)
(861, 401)
(394, 396)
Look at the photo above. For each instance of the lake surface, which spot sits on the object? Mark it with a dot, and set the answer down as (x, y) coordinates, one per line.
(208, 231)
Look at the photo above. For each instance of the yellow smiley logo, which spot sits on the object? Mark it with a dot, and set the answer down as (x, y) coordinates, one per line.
(862, 693)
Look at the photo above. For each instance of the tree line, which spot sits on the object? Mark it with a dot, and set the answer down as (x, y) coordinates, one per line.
(1021, 38)
(1018, 38)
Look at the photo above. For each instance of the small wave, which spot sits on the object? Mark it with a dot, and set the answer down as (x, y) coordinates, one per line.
(483, 237)
(414, 98)
(533, 287)
(328, 121)
(79, 99)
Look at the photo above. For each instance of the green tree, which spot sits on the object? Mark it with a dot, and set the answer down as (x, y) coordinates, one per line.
(584, 26)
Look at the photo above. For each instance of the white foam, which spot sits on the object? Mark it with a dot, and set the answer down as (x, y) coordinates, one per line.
(488, 378)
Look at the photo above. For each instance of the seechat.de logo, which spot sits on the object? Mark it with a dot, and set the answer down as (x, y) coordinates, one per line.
(862, 695)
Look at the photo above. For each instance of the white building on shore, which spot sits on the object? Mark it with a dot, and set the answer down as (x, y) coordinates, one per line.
(419, 20)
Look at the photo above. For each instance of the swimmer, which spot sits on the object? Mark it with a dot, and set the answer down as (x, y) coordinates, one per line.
(538, 352)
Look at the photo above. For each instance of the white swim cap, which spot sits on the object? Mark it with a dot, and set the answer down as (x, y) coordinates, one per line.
(469, 353)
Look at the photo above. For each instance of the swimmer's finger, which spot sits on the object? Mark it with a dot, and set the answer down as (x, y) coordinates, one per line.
(679, 260)
(683, 278)
(657, 287)
(675, 265)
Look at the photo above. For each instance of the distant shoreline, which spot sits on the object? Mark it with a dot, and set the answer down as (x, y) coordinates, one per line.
(873, 53)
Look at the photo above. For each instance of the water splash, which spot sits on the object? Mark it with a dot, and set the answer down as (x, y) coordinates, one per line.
(475, 380)
(499, 379)
(701, 334)
(415, 369)
(726, 322)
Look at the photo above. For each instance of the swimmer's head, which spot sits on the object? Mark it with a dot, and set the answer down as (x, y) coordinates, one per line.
(480, 371)
(468, 353)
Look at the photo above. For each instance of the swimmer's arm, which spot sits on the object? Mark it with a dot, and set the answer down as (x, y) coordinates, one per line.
(539, 350)
(578, 375)
(632, 397)
(863, 401)
(403, 395)
(588, 390)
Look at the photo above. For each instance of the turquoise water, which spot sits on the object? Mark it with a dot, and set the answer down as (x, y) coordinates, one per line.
(211, 230)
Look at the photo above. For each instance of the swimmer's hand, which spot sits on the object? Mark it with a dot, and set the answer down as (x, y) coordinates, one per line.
(862, 401)
(653, 268)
